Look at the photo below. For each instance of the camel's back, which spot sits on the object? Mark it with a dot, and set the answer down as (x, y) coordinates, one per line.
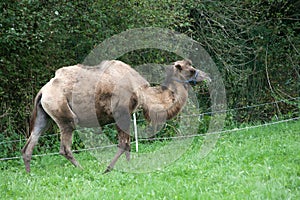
(107, 74)
(115, 73)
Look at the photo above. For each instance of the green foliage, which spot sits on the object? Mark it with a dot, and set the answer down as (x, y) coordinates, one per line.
(252, 42)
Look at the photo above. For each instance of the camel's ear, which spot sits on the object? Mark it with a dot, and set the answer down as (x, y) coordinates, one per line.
(178, 66)
(189, 62)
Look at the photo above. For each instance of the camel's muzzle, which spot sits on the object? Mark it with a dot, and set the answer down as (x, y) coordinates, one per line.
(199, 76)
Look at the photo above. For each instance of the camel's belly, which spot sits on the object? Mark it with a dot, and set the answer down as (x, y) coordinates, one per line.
(91, 115)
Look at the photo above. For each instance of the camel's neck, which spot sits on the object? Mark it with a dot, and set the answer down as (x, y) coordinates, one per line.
(162, 104)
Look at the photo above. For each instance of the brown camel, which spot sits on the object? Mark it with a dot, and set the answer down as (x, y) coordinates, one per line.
(90, 96)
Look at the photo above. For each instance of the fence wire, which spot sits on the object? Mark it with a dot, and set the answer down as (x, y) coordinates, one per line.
(198, 115)
(175, 137)
(166, 138)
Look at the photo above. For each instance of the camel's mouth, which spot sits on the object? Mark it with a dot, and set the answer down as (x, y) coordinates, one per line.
(200, 76)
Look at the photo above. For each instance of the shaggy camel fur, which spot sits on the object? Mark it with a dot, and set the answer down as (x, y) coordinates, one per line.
(89, 96)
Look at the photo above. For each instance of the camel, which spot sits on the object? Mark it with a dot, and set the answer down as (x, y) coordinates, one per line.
(110, 92)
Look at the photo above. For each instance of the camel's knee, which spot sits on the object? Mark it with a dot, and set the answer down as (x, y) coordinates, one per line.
(124, 146)
(124, 140)
(26, 157)
(23, 150)
(31, 142)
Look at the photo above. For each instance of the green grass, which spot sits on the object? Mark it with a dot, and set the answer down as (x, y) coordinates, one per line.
(260, 163)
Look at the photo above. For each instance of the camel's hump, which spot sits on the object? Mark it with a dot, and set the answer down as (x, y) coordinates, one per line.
(112, 73)
(111, 69)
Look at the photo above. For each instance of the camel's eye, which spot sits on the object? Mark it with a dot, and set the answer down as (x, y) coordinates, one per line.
(178, 67)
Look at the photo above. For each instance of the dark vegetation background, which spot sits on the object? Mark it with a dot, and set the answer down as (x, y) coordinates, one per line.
(255, 44)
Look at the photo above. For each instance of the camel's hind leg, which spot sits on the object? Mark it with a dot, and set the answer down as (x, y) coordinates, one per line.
(66, 143)
(39, 125)
(66, 119)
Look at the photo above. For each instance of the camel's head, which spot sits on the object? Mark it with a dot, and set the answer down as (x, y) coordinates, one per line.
(186, 73)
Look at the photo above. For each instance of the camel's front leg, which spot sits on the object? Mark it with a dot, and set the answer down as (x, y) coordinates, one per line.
(123, 146)
(124, 143)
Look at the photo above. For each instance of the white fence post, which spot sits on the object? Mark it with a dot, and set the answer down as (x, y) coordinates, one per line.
(135, 133)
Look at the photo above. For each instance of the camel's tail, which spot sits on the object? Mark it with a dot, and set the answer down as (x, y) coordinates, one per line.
(37, 105)
(38, 124)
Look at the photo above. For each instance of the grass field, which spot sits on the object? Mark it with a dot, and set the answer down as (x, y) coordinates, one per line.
(260, 163)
